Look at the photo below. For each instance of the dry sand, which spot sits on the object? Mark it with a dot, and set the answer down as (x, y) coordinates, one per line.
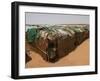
(80, 56)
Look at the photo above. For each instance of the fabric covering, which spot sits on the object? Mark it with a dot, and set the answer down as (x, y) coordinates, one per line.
(56, 40)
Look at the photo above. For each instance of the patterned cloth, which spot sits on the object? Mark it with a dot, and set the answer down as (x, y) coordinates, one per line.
(52, 32)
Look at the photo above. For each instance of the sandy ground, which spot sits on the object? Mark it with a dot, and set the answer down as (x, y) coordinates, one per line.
(80, 56)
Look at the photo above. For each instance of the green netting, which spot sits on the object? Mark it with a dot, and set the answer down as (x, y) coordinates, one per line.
(31, 34)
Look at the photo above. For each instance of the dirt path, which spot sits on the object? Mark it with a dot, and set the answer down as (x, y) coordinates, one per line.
(80, 56)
